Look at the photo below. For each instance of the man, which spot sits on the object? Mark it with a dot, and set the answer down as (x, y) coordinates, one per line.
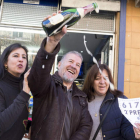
(60, 108)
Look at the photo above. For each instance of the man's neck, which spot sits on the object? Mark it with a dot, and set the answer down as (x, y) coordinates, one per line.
(68, 85)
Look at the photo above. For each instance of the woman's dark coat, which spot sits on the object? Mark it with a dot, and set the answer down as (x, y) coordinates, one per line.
(115, 125)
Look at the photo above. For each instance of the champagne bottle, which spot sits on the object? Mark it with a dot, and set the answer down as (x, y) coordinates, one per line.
(68, 17)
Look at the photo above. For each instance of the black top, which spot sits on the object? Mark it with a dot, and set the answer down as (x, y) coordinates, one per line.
(13, 109)
(66, 129)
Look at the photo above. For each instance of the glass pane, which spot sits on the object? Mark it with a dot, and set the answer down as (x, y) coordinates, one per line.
(30, 40)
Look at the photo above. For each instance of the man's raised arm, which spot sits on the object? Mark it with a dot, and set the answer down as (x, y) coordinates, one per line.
(39, 77)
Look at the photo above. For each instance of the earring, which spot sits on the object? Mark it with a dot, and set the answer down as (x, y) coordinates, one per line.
(6, 67)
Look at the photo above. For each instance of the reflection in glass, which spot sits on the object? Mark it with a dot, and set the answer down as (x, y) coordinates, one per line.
(31, 40)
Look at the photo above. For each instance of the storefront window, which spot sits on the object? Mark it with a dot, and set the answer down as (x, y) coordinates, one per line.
(31, 40)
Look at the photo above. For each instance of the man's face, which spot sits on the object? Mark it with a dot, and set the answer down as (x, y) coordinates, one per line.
(69, 68)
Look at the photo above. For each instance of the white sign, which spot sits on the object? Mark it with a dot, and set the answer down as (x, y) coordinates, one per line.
(130, 108)
(31, 1)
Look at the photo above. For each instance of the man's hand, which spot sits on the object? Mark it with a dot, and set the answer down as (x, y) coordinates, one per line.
(53, 40)
(137, 131)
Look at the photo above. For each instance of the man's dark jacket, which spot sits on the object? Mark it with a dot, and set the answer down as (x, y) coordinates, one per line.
(50, 102)
(115, 125)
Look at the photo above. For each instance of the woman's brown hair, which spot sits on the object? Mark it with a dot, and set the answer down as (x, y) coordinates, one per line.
(5, 55)
(91, 76)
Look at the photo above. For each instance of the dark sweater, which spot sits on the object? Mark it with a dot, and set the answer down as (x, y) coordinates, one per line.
(13, 108)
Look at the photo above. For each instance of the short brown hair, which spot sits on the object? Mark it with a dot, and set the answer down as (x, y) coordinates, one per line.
(73, 52)
(91, 76)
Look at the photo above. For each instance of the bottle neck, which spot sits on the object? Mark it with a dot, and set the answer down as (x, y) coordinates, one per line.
(88, 8)
(84, 10)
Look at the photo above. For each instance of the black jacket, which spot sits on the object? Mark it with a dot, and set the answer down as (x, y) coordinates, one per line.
(13, 110)
(115, 125)
(50, 102)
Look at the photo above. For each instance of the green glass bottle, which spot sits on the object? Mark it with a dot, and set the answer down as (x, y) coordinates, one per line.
(68, 17)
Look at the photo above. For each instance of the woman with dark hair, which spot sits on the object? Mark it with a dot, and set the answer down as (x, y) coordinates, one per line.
(115, 126)
(13, 94)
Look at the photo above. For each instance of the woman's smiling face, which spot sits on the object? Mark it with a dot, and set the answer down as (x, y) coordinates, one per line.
(100, 84)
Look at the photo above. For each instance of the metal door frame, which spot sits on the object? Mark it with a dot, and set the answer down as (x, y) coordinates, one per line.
(111, 65)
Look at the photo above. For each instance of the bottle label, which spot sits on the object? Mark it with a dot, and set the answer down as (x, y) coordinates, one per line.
(81, 12)
(56, 19)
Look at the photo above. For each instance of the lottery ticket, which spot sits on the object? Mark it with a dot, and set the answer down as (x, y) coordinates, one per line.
(130, 108)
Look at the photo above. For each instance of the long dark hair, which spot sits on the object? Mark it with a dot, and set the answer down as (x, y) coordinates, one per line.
(6, 53)
(91, 76)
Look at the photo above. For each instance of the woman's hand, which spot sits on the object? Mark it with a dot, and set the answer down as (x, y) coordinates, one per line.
(25, 82)
(137, 131)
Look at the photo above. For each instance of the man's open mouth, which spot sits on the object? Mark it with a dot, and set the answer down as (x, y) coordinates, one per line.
(72, 72)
